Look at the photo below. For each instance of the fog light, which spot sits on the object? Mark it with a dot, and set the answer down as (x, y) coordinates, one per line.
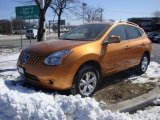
(50, 82)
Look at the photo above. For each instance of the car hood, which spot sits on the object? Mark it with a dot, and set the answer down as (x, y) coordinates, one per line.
(47, 47)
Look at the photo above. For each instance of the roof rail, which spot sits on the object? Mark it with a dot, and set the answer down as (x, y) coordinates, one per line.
(126, 22)
(132, 23)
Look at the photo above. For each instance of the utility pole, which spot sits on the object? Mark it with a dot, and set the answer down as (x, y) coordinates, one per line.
(50, 21)
(44, 35)
(11, 27)
(101, 14)
(83, 7)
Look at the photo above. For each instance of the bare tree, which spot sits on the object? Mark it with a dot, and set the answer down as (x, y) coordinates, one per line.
(156, 13)
(93, 14)
(90, 14)
(59, 7)
(42, 12)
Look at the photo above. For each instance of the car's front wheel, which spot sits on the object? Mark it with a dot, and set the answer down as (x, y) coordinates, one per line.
(142, 67)
(86, 81)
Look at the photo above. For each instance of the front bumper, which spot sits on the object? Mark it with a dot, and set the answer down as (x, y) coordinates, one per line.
(51, 77)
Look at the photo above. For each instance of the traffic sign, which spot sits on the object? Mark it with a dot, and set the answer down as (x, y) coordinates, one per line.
(27, 12)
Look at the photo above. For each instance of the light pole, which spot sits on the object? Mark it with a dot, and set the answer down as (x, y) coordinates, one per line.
(83, 7)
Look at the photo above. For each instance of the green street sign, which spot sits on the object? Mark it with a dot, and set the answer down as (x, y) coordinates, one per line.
(27, 12)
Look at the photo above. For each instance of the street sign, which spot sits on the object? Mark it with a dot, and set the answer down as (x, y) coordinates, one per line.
(62, 22)
(27, 12)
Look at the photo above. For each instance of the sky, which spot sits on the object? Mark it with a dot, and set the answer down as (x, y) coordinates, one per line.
(113, 9)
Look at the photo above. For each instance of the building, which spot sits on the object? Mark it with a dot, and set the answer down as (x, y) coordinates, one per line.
(148, 24)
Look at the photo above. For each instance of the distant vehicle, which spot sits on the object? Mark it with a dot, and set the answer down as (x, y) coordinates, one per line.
(157, 39)
(31, 33)
(152, 35)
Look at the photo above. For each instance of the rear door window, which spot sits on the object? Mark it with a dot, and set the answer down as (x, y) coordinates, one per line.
(140, 31)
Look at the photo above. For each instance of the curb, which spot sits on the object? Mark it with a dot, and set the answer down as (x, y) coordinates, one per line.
(133, 104)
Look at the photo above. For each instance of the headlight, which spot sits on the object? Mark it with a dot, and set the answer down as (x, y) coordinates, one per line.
(57, 57)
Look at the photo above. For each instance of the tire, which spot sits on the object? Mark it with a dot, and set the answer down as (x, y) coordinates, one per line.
(143, 65)
(86, 81)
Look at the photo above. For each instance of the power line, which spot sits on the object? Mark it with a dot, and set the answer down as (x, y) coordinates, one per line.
(126, 12)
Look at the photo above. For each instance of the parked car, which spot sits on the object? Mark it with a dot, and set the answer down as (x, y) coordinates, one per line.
(152, 35)
(31, 33)
(80, 58)
(18, 31)
(157, 39)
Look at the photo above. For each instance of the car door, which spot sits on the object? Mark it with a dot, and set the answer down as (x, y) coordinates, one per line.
(116, 56)
(134, 35)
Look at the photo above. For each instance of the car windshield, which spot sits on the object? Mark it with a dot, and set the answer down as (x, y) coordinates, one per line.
(86, 32)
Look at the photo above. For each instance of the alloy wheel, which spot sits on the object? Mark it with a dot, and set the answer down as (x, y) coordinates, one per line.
(87, 83)
(144, 63)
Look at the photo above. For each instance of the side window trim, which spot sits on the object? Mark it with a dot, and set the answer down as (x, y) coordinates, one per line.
(126, 32)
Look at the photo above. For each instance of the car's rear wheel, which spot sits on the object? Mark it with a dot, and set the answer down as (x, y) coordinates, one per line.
(86, 81)
(142, 67)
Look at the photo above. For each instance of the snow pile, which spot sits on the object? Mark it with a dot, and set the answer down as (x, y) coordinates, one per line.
(19, 103)
(8, 63)
(8, 68)
(151, 113)
(157, 101)
(2, 35)
(152, 75)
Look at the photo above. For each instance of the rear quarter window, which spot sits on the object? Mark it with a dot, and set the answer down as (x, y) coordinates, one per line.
(140, 31)
(132, 32)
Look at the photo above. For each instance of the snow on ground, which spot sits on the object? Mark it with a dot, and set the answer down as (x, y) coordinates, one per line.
(152, 75)
(157, 101)
(2, 35)
(21, 103)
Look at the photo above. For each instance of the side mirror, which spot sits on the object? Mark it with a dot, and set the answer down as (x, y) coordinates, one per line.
(114, 39)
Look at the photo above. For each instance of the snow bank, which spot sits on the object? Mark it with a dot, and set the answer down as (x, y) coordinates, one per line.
(157, 101)
(152, 75)
(20, 103)
(2, 35)
(151, 113)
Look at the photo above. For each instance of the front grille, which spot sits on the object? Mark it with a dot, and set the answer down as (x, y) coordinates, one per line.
(31, 77)
(33, 60)
(30, 59)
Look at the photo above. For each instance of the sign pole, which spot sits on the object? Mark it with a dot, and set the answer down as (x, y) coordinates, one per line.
(30, 31)
(21, 31)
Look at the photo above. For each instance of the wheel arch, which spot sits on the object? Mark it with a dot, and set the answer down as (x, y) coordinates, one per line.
(94, 63)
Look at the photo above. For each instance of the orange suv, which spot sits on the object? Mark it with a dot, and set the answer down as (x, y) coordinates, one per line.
(80, 58)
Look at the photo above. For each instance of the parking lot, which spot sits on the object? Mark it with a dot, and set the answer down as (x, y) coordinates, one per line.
(14, 41)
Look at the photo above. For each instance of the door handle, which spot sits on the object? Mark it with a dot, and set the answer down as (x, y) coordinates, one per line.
(142, 45)
(127, 47)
